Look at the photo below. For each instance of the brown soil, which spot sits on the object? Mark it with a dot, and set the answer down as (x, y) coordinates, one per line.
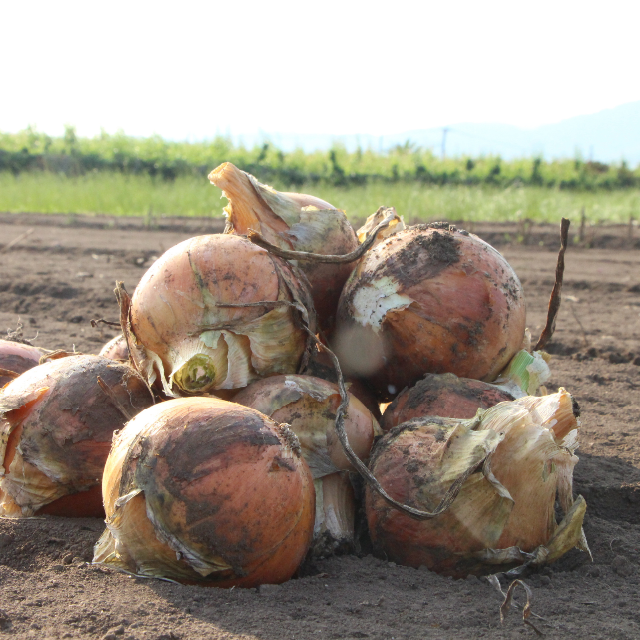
(62, 275)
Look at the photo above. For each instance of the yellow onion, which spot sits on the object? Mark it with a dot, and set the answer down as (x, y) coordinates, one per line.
(203, 490)
(522, 457)
(56, 426)
(181, 334)
(309, 406)
(429, 299)
(16, 358)
(116, 349)
(443, 395)
(291, 221)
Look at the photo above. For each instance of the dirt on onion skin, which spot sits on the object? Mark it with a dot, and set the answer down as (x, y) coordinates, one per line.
(59, 278)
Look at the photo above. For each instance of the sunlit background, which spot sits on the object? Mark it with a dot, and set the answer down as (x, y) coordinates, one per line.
(548, 80)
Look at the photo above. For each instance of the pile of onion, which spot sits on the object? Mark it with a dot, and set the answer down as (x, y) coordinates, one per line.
(56, 422)
(517, 458)
(291, 221)
(217, 312)
(16, 358)
(429, 299)
(309, 405)
(203, 490)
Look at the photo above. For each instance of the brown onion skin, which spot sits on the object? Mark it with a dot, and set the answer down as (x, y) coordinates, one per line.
(360, 425)
(466, 313)
(167, 304)
(116, 349)
(443, 395)
(59, 416)
(402, 462)
(327, 280)
(247, 210)
(17, 357)
(215, 475)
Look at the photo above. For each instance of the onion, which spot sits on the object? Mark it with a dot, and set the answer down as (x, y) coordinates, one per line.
(309, 406)
(291, 221)
(505, 508)
(429, 299)
(199, 489)
(16, 358)
(443, 395)
(185, 332)
(116, 349)
(57, 424)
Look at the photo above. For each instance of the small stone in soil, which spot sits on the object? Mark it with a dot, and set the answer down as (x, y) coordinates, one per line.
(622, 566)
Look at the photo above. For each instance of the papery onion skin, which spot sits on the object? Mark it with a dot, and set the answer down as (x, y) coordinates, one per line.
(513, 463)
(191, 344)
(116, 349)
(203, 490)
(292, 221)
(443, 395)
(57, 424)
(334, 529)
(397, 224)
(429, 299)
(17, 357)
(502, 510)
(416, 463)
(309, 406)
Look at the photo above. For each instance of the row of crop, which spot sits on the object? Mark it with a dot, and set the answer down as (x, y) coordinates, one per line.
(30, 150)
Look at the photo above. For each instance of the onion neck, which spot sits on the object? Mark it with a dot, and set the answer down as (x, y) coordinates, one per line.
(246, 209)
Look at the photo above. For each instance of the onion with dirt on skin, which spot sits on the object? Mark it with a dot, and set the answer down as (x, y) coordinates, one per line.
(518, 457)
(216, 312)
(291, 221)
(448, 396)
(16, 358)
(203, 490)
(116, 349)
(429, 299)
(443, 395)
(56, 427)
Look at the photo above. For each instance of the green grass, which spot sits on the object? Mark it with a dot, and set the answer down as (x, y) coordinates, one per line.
(126, 195)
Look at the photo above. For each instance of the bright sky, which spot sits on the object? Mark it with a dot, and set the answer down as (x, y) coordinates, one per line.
(194, 69)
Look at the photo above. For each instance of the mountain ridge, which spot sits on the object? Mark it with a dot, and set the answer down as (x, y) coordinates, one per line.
(610, 135)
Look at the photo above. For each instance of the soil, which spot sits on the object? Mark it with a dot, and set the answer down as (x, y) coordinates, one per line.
(60, 276)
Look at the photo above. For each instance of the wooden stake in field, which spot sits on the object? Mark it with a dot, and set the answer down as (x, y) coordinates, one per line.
(15, 241)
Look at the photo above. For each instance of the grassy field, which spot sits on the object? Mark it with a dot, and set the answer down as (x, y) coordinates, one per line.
(124, 195)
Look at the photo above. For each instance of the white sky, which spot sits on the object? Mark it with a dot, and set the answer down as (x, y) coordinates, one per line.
(194, 69)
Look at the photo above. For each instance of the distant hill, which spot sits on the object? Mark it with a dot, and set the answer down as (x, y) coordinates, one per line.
(611, 135)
